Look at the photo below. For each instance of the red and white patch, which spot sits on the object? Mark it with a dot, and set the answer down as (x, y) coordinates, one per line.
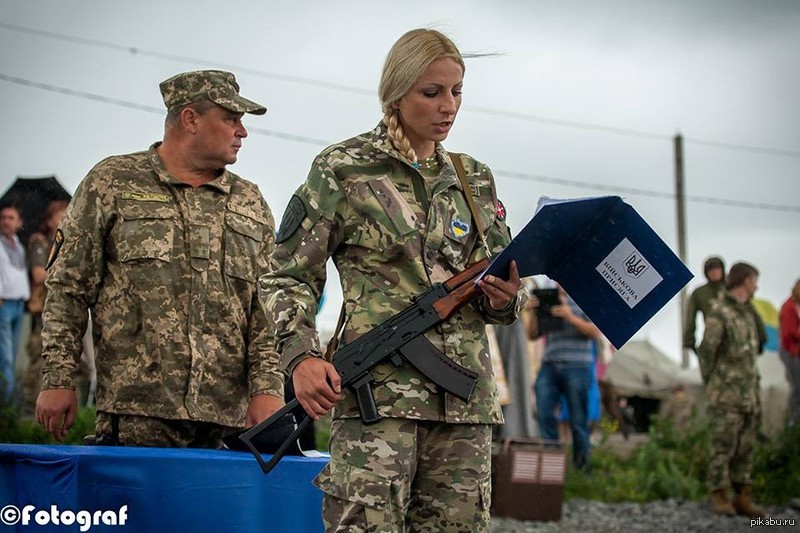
(501, 211)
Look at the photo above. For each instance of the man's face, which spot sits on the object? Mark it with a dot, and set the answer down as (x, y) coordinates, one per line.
(715, 274)
(10, 222)
(751, 284)
(428, 110)
(219, 136)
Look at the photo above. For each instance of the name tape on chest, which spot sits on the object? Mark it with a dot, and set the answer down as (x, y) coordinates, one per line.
(146, 197)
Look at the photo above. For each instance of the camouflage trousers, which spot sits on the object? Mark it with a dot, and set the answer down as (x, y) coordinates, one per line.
(133, 430)
(407, 475)
(733, 437)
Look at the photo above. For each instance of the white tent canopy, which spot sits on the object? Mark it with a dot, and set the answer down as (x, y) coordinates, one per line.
(641, 369)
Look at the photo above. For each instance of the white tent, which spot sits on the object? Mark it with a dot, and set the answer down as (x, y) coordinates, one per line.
(641, 369)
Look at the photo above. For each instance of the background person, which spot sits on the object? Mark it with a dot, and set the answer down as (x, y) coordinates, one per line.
(388, 207)
(14, 292)
(38, 251)
(701, 298)
(566, 370)
(165, 247)
(727, 358)
(789, 350)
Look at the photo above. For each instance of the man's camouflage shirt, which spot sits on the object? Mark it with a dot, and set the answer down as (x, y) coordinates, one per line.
(170, 274)
(727, 355)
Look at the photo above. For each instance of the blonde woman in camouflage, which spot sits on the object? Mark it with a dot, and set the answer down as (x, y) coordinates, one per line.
(388, 207)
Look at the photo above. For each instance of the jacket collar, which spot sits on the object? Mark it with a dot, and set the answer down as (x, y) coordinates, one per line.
(222, 182)
(379, 138)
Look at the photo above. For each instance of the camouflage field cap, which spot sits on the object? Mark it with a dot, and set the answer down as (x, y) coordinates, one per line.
(216, 85)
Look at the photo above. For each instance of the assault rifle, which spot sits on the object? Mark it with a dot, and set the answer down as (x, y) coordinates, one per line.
(399, 339)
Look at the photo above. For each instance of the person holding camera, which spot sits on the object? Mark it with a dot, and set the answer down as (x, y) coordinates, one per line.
(566, 366)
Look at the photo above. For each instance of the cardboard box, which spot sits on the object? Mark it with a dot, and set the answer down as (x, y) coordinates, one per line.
(528, 480)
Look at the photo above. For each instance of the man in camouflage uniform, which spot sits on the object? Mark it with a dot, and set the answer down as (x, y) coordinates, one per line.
(165, 247)
(394, 227)
(727, 358)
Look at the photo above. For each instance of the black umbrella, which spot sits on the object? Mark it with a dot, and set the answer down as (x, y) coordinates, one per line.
(31, 196)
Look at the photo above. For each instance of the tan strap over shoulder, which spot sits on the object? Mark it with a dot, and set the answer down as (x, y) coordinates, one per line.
(462, 177)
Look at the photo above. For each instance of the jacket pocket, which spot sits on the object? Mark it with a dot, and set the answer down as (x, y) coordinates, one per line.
(145, 231)
(396, 210)
(243, 240)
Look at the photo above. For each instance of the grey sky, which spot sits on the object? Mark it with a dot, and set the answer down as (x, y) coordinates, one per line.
(583, 98)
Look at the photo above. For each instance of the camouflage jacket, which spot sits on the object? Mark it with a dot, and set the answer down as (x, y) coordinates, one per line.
(360, 205)
(700, 300)
(170, 274)
(728, 354)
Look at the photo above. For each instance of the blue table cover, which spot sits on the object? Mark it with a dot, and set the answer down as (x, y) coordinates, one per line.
(171, 490)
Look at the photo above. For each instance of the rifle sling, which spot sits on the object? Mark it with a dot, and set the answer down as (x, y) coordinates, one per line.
(462, 177)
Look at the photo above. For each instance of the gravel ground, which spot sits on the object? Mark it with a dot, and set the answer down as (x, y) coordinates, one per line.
(583, 516)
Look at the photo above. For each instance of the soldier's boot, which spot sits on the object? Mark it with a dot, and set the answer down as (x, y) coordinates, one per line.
(720, 503)
(743, 503)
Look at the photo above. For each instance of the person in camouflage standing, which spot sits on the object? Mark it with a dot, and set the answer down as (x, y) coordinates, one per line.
(165, 247)
(727, 358)
(388, 207)
(702, 297)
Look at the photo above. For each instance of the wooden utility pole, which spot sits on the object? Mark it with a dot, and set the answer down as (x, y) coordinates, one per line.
(681, 216)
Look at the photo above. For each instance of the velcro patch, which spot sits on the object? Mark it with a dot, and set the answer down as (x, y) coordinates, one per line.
(58, 241)
(501, 211)
(292, 218)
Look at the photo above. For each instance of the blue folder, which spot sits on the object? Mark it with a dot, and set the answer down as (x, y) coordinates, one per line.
(604, 254)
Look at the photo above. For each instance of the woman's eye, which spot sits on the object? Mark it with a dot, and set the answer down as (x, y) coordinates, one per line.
(430, 94)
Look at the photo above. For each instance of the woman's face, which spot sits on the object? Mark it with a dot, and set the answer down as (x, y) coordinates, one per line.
(428, 110)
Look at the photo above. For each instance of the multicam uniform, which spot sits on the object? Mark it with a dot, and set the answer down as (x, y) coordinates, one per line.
(169, 272)
(392, 232)
(727, 357)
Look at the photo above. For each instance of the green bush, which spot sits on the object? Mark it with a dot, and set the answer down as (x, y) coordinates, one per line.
(776, 469)
(673, 464)
(25, 431)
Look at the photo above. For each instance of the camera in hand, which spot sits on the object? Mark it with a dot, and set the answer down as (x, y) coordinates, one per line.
(548, 298)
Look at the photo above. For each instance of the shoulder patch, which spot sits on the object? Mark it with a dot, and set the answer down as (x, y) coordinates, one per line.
(501, 211)
(58, 241)
(292, 218)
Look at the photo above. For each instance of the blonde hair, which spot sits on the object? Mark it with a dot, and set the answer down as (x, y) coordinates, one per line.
(405, 63)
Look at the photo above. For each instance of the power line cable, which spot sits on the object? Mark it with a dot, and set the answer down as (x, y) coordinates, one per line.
(322, 142)
(132, 50)
(149, 109)
(646, 192)
(356, 90)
